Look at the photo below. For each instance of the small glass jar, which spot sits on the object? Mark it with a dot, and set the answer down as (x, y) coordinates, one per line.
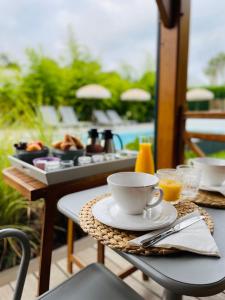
(110, 156)
(66, 163)
(97, 158)
(84, 160)
(41, 162)
(52, 166)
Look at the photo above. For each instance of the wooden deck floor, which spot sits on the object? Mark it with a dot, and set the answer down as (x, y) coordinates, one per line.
(86, 251)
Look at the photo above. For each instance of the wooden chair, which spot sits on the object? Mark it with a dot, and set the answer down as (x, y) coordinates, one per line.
(91, 283)
(188, 136)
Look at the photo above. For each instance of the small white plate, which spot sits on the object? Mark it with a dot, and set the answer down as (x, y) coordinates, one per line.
(108, 212)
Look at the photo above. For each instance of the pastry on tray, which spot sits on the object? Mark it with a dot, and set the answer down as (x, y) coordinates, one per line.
(29, 151)
(70, 148)
(68, 143)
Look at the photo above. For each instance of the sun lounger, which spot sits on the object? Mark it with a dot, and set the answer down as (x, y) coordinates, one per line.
(69, 116)
(101, 118)
(114, 117)
(49, 115)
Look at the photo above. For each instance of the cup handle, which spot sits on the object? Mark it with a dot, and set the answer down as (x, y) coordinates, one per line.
(160, 197)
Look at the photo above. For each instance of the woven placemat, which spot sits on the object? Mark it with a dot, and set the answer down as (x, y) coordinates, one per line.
(118, 239)
(210, 199)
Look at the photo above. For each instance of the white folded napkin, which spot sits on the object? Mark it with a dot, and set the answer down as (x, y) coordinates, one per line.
(195, 238)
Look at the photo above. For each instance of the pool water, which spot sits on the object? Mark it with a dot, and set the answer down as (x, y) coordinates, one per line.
(128, 137)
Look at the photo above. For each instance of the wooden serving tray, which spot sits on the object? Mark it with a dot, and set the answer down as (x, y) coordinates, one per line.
(76, 172)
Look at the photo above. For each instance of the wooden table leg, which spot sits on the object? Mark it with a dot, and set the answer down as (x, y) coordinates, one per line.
(127, 272)
(100, 253)
(145, 277)
(46, 244)
(70, 234)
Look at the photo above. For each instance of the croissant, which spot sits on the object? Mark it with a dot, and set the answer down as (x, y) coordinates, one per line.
(57, 145)
(65, 146)
(77, 142)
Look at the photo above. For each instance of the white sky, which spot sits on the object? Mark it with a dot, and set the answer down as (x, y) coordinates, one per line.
(116, 31)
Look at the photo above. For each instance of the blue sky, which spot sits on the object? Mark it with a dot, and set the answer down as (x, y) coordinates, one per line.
(118, 32)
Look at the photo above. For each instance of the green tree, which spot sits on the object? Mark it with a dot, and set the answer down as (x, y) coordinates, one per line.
(216, 69)
(6, 62)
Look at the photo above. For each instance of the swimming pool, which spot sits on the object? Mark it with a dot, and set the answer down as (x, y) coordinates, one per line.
(130, 132)
(128, 137)
(212, 126)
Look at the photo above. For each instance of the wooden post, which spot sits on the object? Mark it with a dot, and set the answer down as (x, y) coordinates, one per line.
(171, 86)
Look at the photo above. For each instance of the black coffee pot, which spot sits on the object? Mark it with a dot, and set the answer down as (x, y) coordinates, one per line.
(108, 143)
(93, 144)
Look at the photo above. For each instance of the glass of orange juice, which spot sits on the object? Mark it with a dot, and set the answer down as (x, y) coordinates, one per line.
(145, 162)
(170, 182)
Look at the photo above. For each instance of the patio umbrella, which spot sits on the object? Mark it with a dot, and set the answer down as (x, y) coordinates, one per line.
(93, 91)
(199, 95)
(138, 95)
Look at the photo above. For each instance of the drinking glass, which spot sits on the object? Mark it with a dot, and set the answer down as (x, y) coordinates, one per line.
(144, 161)
(191, 177)
(170, 182)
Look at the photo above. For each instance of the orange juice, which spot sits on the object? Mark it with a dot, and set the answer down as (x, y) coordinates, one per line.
(171, 189)
(145, 162)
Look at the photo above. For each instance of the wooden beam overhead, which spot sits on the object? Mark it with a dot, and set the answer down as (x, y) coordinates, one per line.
(168, 10)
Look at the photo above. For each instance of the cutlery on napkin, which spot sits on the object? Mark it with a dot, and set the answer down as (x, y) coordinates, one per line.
(176, 228)
(195, 238)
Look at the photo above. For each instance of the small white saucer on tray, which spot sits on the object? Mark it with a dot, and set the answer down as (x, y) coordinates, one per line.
(108, 212)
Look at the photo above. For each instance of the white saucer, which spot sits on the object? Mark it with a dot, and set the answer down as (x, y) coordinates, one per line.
(107, 212)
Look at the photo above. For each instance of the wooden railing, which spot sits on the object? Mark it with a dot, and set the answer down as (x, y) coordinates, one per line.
(188, 135)
(204, 115)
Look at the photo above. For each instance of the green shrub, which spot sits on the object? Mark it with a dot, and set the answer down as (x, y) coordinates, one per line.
(14, 209)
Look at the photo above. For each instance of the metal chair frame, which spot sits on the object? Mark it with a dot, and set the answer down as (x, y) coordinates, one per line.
(25, 245)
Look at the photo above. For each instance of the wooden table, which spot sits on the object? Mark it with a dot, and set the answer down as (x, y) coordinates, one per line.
(184, 274)
(32, 190)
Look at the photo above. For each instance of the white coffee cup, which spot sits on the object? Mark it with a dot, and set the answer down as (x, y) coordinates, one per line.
(134, 192)
(213, 170)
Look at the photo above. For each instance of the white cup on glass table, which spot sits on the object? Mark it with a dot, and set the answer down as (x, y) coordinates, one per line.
(134, 192)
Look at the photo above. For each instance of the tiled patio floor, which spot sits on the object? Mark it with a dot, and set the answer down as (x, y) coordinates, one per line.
(86, 251)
